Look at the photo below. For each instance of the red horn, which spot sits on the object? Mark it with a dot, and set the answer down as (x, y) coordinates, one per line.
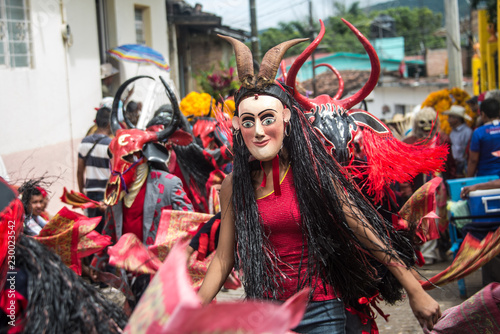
(341, 81)
(351, 101)
(297, 64)
(283, 70)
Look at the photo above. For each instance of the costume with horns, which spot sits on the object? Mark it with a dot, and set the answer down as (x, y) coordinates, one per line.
(140, 185)
(332, 254)
(197, 166)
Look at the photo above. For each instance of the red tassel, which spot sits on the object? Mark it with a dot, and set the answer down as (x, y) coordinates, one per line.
(391, 160)
(264, 179)
(276, 176)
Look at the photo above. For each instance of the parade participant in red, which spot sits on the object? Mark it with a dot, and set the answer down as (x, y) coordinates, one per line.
(293, 218)
(140, 185)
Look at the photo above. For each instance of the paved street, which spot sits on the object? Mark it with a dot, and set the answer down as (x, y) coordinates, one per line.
(401, 319)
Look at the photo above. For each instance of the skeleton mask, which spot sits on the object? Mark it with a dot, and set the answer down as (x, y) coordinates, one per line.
(423, 122)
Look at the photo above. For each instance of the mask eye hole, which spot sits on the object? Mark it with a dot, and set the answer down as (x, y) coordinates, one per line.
(133, 157)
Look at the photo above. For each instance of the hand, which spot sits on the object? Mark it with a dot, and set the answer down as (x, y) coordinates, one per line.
(102, 207)
(94, 275)
(466, 190)
(425, 309)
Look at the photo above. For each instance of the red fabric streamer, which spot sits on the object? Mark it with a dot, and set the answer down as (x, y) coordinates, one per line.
(421, 207)
(78, 200)
(170, 304)
(472, 255)
(71, 236)
(390, 160)
(276, 176)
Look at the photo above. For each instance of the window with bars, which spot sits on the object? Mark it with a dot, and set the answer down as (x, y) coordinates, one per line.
(139, 26)
(15, 36)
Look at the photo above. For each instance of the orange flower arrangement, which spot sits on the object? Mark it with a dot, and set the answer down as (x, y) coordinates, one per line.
(196, 105)
(442, 100)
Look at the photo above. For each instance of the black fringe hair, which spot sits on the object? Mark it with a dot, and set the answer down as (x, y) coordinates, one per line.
(59, 301)
(323, 189)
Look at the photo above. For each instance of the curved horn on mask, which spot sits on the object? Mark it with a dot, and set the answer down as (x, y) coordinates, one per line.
(341, 80)
(115, 124)
(297, 64)
(271, 62)
(175, 107)
(176, 114)
(244, 61)
(351, 101)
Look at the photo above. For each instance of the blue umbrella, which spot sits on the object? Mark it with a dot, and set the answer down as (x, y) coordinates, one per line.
(138, 53)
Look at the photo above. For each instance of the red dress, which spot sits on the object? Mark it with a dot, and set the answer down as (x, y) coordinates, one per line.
(283, 222)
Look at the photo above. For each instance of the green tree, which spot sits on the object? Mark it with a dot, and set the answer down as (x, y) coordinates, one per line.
(417, 26)
(338, 37)
(286, 31)
(491, 8)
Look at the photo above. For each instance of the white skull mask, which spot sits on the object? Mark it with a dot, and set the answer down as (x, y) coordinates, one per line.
(423, 122)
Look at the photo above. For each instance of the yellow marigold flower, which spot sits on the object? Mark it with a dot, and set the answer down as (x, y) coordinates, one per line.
(196, 104)
(229, 107)
(443, 99)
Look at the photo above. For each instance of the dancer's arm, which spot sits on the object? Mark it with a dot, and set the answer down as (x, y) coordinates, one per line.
(223, 261)
(424, 307)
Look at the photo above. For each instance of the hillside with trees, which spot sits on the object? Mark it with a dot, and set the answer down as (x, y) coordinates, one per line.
(416, 24)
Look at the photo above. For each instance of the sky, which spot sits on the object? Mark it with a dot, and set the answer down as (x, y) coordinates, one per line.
(235, 13)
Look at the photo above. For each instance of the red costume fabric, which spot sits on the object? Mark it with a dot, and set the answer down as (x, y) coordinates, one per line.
(132, 217)
(282, 220)
(478, 314)
(71, 236)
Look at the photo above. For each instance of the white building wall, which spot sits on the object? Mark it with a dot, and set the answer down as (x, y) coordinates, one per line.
(47, 109)
(403, 96)
(125, 34)
(52, 101)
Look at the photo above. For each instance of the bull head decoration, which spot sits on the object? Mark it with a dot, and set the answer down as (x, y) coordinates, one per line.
(131, 148)
(334, 119)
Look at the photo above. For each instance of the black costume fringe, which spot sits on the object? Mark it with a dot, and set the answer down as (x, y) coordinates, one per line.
(59, 301)
(335, 253)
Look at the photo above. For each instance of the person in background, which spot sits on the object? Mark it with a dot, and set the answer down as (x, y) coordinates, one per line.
(473, 104)
(493, 184)
(93, 163)
(45, 215)
(108, 73)
(484, 154)
(133, 111)
(460, 137)
(32, 199)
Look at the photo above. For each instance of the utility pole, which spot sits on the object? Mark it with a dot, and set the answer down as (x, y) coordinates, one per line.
(254, 32)
(313, 60)
(455, 71)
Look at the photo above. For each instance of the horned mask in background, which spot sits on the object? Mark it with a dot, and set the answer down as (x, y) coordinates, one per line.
(132, 148)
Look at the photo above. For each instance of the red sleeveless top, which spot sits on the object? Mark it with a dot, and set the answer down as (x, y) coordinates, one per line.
(283, 222)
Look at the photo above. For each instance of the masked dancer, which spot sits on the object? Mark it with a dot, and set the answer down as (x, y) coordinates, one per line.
(291, 216)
